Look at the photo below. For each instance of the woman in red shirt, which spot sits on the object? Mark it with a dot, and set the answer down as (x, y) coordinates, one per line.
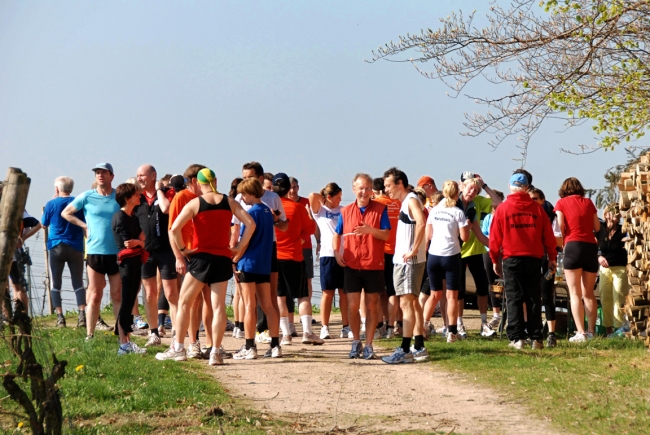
(578, 220)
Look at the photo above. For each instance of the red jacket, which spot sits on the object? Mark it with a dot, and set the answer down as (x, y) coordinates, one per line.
(521, 228)
(362, 252)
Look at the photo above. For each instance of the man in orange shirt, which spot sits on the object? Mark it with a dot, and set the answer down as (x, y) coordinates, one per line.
(292, 279)
(307, 248)
(388, 299)
(181, 199)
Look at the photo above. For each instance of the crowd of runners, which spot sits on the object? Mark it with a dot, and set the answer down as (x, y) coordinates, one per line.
(396, 255)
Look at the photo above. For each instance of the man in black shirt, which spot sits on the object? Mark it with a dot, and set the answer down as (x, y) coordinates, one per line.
(153, 216)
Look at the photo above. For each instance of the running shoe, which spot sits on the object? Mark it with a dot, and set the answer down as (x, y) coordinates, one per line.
(102, 326)
(90, 337)
(81, 320)
(246, 353)
(269, 352)
(292, 328)
(215, 359)
(494, 322)
(518, 344)
(429, 330)
(462, 333)
(578, 338)
(442, 330)
(357, 350)
(138, 331)
(369, 352)
(551, 341)
(229, 325)
(390, 333)
(399, 357)
(276, 352)
(263, 337)
(325, 333)
(201, 327)
(537, 345)
(60, 321)
(451, 337)
(222, 352)
(420, 355)
(286, 340)
(168, 323)
(194, 351)
(141, 324)
(379, 333)
(235, 332)
(437, 312)
(346, 332)
(486, 331)
(240, 334)
(130, 348)
(620, 332)
(171, 354)
(398, 330)
(589, 335)
(153, 340)
(311, 339)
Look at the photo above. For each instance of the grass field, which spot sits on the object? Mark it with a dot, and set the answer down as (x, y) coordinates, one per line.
(106, 394)
(601, 387)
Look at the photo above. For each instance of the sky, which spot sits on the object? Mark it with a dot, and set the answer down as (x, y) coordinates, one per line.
(223, 83)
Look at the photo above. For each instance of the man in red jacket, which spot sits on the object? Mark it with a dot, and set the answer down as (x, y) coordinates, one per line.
(365, 226)
(522, 232)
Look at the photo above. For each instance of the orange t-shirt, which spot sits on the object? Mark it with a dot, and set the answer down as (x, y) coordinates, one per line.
(175, 207)
(305, 203)
(289, 242)
(392, 207)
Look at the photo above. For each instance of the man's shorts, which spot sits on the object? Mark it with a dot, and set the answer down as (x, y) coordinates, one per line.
(17, 274)
(104, 264)
(209, 268)
(308, 255)
(388, 274)
(274, 258)
(292, 280)
(370, 281)
(165, 261)
(331, 274)
(408, 278)
(256, 278)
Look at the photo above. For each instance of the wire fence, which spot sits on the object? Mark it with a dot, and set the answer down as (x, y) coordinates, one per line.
(36, 276)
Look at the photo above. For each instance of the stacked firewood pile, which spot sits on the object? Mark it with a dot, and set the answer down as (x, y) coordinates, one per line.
(634, 202)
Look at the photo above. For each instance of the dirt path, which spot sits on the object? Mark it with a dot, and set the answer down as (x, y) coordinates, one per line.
(320, 389)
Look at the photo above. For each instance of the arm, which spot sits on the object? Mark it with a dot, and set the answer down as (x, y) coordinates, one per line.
(163, 202)
(476, 229)
(374, 232)
(280, 220)
(464, 233)
(247, 220)
(68, 214)
(560, 221)
(28, 232)
(336, 245)
(495, 198)
(416, 211)
(188, 212)
(315, 201)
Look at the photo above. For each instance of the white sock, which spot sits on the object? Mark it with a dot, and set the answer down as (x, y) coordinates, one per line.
(306, 323)
(496, 315)
(214, 350)
(284, 326)
(483, 317)
(459, 321)
(178, 346)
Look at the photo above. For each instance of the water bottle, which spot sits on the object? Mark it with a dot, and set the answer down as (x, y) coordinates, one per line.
(559, 270)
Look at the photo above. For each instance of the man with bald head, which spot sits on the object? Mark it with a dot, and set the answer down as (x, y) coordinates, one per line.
(153, 216)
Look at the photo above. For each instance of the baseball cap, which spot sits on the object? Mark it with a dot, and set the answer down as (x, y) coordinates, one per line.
(281, 176)
(467, 175)
(207, 176)
(519, 180)
(425, 179)
(106, 166)
(177, 182)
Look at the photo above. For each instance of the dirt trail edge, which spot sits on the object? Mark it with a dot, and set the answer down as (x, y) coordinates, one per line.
(320, 389)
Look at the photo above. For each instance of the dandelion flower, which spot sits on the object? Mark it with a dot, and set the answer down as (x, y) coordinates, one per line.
(21, 424)
(81, 367)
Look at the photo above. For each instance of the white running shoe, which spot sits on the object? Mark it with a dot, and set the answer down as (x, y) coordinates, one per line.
(518, 344)
(494, 323)
(486, 331)
(276, 352)
(325, 333)
(154, 340)
(130, 348)
(171, 354)
(346, 332)
(442, 330)
(311, 339)
(462, 334)
(263, 337)
(578, 338)
(240, 333)
(451, 337)
(215, 359)
(286, 340)
(235, 331)
(246, 353)
(194, 350)
(390, 333)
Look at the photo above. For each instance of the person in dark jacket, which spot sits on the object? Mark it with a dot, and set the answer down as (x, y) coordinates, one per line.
(521, 233)
(612, 257)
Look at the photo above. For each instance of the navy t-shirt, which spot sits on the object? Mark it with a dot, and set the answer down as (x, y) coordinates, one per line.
(257, 258)
(60, 230)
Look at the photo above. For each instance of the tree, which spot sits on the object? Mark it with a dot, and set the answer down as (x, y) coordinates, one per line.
(576, 60)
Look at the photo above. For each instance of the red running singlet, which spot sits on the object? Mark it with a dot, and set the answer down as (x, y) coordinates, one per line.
(212, 227)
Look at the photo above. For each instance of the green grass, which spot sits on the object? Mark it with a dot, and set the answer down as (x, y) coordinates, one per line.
(104, 393)
(600, 387)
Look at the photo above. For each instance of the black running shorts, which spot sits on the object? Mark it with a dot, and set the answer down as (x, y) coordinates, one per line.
(165, 261)
(370, 281)
(104, 264)
(292, 279)
(581, 255)
(209, 268)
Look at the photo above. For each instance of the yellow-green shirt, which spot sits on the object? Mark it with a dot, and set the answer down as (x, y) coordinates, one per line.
(483, 206)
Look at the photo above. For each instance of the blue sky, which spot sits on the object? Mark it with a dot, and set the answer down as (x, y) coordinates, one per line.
(223, 83)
